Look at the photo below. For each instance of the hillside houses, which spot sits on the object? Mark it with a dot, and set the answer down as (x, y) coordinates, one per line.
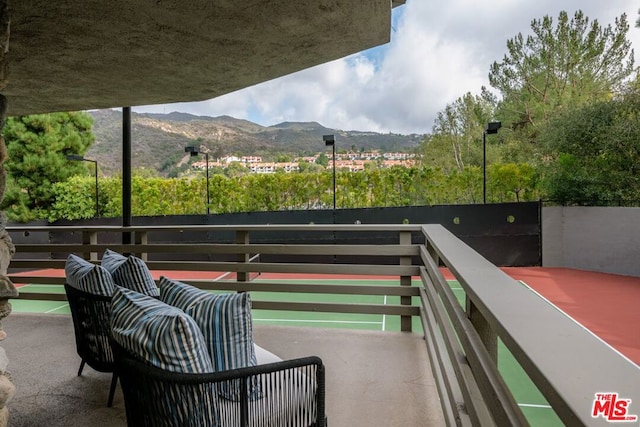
(351, 161)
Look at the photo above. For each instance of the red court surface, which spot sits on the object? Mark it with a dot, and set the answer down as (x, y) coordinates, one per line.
(606, 304)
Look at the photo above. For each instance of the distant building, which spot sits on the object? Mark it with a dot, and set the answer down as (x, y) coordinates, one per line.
(272, 167)
(230, 159)
(351, 161)
(251, 159)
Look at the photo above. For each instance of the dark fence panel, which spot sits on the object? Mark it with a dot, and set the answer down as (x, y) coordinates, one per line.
(507, 234)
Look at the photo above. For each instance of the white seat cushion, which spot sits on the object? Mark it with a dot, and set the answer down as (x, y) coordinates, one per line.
(265, 356)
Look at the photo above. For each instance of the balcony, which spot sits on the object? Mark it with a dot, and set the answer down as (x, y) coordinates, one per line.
(440, 368)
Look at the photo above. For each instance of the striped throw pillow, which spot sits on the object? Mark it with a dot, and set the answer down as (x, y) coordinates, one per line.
(225, 321)
(88, 277)
(162, 335)
(130, 272)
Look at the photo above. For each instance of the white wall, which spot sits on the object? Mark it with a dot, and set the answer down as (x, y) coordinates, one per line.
(605, 239)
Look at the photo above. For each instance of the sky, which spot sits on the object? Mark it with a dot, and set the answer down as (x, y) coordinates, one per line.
(439, 50)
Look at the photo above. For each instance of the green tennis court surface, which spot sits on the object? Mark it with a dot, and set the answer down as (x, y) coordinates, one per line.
(533, 404)
(269, 317)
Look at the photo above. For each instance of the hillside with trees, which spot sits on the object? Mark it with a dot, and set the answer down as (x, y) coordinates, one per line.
(158, 140)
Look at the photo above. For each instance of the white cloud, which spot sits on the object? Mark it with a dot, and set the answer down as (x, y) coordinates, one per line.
(438, 52)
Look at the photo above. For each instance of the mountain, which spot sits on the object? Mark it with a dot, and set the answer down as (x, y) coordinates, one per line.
(158, 140)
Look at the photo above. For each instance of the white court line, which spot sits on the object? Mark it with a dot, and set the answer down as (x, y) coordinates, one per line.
(222, 276)
(318, 321)
(534, 405)
(580, 324)
(228, 273)
(55, 309)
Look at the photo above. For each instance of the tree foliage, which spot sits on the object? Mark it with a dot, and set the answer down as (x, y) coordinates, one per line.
(322, 160)
(457, 132)
(560, 67)
(567, 70)
(593, 153)
(396, 186)
(37, 146)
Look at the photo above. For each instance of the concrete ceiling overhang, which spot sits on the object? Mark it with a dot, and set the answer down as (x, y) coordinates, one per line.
(85, 54)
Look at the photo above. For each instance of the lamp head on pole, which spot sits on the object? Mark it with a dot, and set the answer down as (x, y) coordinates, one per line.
(191, 150)
(75, 157)
(329, 140)
(492, 127)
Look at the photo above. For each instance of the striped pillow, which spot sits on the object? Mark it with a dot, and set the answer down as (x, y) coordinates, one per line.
(130, 272)
(88, 277)
(224, 319)
(162, 335)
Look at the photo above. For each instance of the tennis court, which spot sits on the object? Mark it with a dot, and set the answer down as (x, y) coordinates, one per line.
(574, 292)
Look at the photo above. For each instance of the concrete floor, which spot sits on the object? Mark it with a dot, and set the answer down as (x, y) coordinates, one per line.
(373, 378)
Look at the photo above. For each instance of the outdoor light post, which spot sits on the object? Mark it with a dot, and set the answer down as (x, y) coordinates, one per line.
(492, 127)
(194, 152)
(329, 140)
(78, 158)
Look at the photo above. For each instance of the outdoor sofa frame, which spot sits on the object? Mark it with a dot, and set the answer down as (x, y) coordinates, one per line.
(91, 324)
(292, 393)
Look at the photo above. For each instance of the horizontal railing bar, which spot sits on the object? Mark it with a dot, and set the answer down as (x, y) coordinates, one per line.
(198, 227)
(306, 288)
(224, 285)
(320, 307)
(40, 280)
(221, 248)
(327, 307)
(41, 296)
(36, 264)
(355, 269)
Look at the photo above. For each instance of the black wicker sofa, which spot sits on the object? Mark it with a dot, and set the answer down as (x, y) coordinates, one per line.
(291, 393)
(185, 357)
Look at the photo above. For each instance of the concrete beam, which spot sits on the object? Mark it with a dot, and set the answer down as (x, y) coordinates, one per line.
(84, 54)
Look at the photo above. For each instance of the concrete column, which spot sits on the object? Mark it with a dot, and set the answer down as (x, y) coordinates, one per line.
(7, 250)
